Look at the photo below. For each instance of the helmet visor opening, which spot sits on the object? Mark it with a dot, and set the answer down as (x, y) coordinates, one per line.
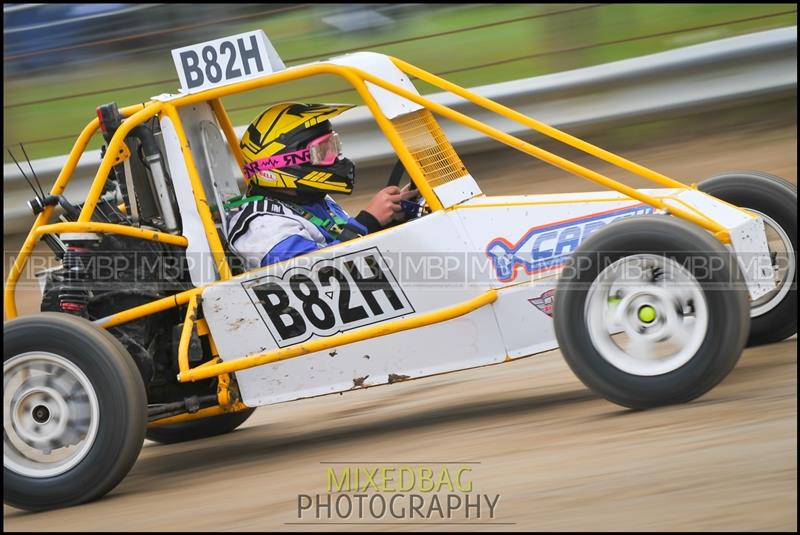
(325, 149)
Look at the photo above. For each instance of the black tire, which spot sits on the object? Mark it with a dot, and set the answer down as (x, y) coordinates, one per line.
(777, 199)
(724, 292)
(195, 429)
(122, 409)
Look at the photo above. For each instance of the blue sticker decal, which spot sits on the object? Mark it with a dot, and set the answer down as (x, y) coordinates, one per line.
(548, 246)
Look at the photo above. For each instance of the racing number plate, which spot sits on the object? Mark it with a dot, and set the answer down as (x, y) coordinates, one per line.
(332, 296)
(225, 61)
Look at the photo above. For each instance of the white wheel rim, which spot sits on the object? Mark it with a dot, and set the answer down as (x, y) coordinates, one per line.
(50, 415)
(645, 325)
(779, 244)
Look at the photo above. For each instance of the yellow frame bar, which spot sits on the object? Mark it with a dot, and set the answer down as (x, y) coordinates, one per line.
(210, 229)
(148, 309)
(227, 129)
(44, 216)
(543, 128)
(202, 413)
(553, 159)
(139, 113)
(136, 115)
(356, 335)
(114, 147)
(358, 77)
(112, 228)
(186, 334)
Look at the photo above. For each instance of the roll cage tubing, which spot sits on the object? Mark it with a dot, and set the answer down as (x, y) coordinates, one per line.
(139, 113)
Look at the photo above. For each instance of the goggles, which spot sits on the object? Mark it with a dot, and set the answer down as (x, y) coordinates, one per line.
(323, 150)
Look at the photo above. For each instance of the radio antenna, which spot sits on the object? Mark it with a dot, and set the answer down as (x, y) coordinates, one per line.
(36, 178)
(39, 195)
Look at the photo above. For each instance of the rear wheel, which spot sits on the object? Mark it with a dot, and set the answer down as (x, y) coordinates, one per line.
(774, 315)
(640, 317)
(74, 409)
(195, 429)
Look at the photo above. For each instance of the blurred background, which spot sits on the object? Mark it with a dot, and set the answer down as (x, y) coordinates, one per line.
(60, 61)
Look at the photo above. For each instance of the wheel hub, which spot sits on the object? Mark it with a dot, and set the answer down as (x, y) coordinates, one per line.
(647, 314)
(645, 324)
(51, 414)
(41, 414)
(40, 418)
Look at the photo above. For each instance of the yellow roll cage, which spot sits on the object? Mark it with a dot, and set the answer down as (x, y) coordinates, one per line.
(137, 114)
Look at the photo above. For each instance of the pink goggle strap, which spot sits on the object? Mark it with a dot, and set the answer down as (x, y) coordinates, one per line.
(275, 162)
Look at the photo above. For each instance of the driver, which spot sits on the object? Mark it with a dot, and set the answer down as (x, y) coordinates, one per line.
(292, 162)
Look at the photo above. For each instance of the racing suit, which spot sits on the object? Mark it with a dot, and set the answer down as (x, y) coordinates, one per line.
(269, 230)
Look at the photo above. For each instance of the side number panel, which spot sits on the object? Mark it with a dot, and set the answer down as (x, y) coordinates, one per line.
(332, 296)
(418, 267)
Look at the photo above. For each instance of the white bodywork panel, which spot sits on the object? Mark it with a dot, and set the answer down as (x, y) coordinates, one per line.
(201, 263)
(513, 244)
(381, 66)
(752, 252)
(426, 260)
(524, 314)
(215, 165)
(456, 191)
(437, 261)
(529, 236)
(748, 239)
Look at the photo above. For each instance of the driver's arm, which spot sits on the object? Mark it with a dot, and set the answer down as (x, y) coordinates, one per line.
(379, 214)
(361, 225)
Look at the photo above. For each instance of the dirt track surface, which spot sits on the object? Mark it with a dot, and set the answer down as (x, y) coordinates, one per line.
(559, 457)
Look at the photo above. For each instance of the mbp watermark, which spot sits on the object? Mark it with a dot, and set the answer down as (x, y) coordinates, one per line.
(398, 493)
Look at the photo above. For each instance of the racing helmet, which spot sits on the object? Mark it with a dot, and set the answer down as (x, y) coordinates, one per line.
(292, 146)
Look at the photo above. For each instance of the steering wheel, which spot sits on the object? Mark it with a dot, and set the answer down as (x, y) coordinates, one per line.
(413, 209)
(397, 175)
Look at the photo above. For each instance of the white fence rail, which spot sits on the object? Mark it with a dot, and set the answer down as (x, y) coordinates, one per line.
(758, 65)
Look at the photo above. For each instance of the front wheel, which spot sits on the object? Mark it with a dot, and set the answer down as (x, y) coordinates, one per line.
(74, 412)
(651, 311)
(774, 315)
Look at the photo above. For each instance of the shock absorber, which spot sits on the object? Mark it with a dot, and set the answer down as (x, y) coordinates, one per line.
(74, 292)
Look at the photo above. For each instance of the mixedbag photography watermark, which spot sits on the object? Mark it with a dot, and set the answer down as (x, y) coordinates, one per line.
(437, 492)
